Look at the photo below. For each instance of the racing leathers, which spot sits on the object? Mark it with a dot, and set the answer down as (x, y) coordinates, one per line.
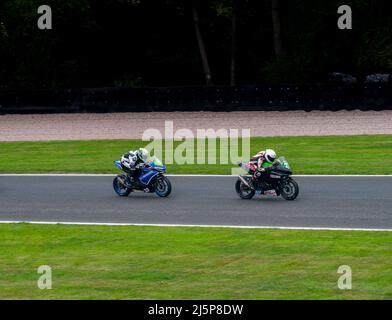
(132, 164)
(258, 165)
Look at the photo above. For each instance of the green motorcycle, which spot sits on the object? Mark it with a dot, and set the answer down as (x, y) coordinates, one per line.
(275, 180)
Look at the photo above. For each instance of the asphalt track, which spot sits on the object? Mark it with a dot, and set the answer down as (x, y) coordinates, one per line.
(324, 202)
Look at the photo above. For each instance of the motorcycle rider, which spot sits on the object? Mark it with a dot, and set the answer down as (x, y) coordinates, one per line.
(261, 163)
(133, 162)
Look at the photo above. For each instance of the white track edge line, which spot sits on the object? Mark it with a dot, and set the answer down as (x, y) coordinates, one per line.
(191, 226)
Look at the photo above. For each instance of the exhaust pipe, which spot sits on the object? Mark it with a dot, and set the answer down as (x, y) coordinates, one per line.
(122, 182)
(245, 182)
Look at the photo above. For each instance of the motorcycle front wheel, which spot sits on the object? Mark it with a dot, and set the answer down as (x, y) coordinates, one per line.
(289, 190)
(120, 189)
(163, 187)
(243, 190)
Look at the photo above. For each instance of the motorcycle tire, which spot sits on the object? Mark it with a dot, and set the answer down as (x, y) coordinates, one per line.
(239, 188)
(163, 187)
(289, 191)
(120, 189)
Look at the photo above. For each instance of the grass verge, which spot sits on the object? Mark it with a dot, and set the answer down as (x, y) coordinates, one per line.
(307, 155)
(102, 262)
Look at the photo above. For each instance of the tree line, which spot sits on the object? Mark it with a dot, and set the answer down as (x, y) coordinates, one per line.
(135, 43)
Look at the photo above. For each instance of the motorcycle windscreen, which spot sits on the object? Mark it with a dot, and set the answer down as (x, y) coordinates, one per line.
(283, 165)
(155, 162)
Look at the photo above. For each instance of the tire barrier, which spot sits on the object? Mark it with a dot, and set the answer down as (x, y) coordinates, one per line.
(214, 98)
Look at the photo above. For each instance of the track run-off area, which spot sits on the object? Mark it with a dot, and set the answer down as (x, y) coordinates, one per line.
(324, 202)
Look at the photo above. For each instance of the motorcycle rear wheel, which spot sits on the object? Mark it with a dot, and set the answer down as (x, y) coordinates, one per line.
(120, 189)
(244, 191)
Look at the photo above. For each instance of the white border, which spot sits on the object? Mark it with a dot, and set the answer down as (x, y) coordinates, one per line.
(190, 226)
(182, 175)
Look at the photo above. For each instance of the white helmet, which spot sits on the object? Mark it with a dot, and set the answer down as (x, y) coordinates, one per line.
(143, 154)
(270, 155)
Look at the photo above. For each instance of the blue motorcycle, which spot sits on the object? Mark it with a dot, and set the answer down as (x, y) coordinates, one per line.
(150, 180)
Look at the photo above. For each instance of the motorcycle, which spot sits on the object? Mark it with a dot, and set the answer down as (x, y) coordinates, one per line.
(151, 180)
(276, 181)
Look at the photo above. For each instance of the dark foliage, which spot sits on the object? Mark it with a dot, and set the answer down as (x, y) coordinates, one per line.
(136, 43)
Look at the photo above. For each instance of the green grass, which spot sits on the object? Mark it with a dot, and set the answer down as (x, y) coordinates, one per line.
(307, 155)
(99, 262)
